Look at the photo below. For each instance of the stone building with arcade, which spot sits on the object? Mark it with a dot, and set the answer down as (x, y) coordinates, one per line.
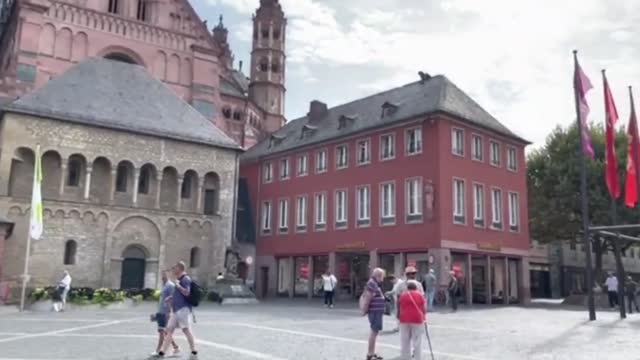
(135, 179)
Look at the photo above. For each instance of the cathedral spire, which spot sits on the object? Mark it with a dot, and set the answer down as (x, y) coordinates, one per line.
(268, 60)
(220, 32)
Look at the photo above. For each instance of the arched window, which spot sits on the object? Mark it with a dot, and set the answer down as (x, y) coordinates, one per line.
(121, 178)
(226, 112)
(113, 6)
(142, 10)
(144, 179)
(194, 261)
(188, 182)
(264, 64)
(74, 172)
(211, 193)
(70, 248)
(265, 33)
(237, 115)
(275, 67)
(276, 34)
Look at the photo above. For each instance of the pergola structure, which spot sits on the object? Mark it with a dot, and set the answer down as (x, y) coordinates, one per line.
(613, 231)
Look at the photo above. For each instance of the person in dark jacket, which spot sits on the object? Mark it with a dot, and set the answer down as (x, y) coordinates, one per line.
(453, 290)
(631, 289)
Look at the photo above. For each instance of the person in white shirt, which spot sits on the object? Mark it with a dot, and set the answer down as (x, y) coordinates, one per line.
(329, 283)
(612, 289)
(63, 288)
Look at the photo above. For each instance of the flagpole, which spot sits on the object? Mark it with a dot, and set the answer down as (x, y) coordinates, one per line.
(585, 201)
(35, 222)
(25, 275)
(635, 151)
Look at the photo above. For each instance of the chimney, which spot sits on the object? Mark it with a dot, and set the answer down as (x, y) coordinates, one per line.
(317, 111)
(240, 66)
(423, 76)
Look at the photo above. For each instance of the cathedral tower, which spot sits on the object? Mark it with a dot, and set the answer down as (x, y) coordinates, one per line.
(268, 58)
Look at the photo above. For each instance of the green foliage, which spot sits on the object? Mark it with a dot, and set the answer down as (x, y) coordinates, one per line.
(156, 295)
(137, 299)
(39, 294)
(554, 185)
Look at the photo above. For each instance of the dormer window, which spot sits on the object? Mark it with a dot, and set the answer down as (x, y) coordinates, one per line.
(307, 131)
(389, 108)
(345, 121)
(275, 140)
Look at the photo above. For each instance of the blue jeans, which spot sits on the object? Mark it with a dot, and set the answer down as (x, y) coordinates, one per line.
(431, 294)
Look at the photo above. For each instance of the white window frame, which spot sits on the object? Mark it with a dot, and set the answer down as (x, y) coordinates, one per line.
(326, 161)
(320, 215)
(339, 156)
(390, 218)
(301, 213)
(479, 208)
(492, 152)
(283, 216)
(454, 141)
(285, 169)
(392, 147)
(414, 130)
(512, 163)
(415, 216)
(497, 209)
(363, 209)
(267, 172)
(367, 143)
(266, 217)
(514, 211)
(459, 213)
(474, 154)
(303, 165)
(341, 223)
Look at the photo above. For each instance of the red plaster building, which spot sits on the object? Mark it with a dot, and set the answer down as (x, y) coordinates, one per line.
(419, 174)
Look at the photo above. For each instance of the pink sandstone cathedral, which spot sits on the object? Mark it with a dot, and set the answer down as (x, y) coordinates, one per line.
(166, 37)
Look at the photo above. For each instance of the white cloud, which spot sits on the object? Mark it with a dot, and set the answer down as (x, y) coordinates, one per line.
(514, 57)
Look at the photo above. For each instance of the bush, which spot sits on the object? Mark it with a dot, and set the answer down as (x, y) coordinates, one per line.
(102, 296)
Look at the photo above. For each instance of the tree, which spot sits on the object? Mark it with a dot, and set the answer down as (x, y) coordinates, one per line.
(554, 189)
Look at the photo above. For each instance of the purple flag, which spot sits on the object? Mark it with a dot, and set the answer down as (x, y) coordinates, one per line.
(582, 85)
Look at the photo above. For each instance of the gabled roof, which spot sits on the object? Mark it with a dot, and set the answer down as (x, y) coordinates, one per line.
(237, 86)
(434, 95)
(116, 95)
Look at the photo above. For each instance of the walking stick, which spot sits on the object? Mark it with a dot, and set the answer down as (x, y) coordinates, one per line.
(426, 331)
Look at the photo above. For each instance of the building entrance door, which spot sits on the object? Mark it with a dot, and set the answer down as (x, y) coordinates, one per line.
(352, 273)
(133, 268)
(264, 279)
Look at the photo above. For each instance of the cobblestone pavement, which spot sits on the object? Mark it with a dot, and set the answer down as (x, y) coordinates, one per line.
(305, 330)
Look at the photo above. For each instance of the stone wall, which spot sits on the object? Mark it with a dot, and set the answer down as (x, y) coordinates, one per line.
(103, 222)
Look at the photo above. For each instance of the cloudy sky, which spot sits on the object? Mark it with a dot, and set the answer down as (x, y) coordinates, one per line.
(513, 57)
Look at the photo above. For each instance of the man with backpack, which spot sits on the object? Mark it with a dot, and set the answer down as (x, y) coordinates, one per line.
(186, 295)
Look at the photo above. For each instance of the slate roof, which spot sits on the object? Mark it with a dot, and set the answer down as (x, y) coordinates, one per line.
(435, 95)
(238, 85)
(116, 95)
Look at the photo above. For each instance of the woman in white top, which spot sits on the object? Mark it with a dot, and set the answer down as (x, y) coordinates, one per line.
(329, 283)
(63, 287)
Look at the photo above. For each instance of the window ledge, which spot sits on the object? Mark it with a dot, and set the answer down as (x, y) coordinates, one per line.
(321, 227)
(301, 229)
(388, 221)
(478, 223)
(364, 223)
(284, 230)
(460, 220)
(414, 219)
(342, 225)
(496, 226)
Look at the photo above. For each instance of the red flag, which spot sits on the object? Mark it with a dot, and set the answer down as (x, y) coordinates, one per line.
(582, 85)
(613, 182)
(631, 185)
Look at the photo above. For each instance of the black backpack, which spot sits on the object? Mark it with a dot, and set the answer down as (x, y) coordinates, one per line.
(196, 294)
